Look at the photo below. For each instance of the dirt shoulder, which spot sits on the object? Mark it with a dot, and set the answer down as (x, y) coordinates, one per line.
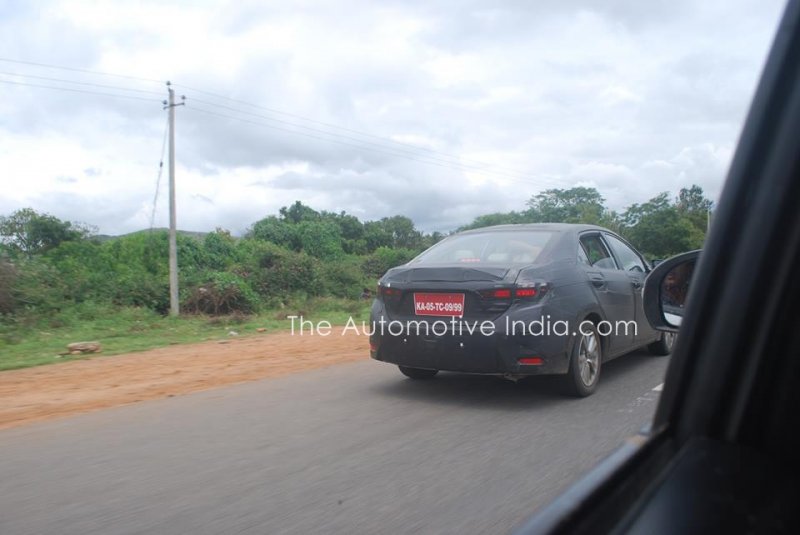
(59, 390)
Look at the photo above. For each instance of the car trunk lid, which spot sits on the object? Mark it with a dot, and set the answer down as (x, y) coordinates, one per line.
(486, 292)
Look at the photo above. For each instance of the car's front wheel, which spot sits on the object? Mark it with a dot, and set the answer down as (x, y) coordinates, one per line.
(417, 373)
(662, 346)
(584, 364)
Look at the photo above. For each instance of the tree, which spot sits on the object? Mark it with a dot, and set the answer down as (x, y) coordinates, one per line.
(320, 239)
(400, 232)
(659, 228)
(432, 239)
(29, 232)
(376, 235)
(575, 205)
(497, 218)
(298, 212)
(351, 231)
(274, 230)
(693, 204)
(692, 200)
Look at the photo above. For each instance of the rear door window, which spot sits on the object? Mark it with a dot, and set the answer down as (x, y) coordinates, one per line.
(597, 252)
(582, 258)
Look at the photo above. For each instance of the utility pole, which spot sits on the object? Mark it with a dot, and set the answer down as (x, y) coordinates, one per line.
(174, 304)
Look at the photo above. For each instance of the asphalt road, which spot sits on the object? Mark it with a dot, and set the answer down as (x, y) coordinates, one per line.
(354, 448)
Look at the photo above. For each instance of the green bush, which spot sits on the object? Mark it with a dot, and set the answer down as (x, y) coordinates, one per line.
(320, 239)
(8, 278)
(52, 272)
(343, 277)
(222, 293)
(38, 286)
(141, 289)
(88, 267)
(276, 272)
(384, 258)
(219, 250)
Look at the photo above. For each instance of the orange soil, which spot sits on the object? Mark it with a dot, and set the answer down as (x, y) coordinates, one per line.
(59, 390)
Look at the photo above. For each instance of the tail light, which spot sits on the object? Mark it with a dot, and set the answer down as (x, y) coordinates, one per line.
(530, 290)
(387, 293)
(496, 293)
(526, 292)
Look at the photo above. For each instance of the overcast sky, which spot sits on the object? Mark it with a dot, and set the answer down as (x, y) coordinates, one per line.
(468, 107)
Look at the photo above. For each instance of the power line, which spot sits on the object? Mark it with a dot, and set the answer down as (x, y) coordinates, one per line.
(357, 132)
(74, 69)
(399, 151)
(311, 129)
(414, 149)
(160, 172)
(72, 90)
(386, 145)
(331, 136)
(90, 84)
(331, 140)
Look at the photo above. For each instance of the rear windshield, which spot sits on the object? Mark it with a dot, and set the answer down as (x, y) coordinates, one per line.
(491, 247)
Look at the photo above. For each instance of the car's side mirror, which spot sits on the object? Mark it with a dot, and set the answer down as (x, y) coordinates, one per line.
(666, 289)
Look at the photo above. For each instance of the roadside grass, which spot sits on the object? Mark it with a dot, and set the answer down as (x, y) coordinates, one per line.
(26, 342)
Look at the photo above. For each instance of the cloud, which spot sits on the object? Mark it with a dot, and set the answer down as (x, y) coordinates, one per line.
(491, 103)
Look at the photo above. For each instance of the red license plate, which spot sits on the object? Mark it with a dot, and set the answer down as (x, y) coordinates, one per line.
(427, 304)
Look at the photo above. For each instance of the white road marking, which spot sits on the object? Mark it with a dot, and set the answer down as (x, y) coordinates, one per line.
(644, 399)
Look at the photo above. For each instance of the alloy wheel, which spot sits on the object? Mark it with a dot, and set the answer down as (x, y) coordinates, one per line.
(589, 358)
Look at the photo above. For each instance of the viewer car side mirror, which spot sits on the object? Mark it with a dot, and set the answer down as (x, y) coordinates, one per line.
(666, 289)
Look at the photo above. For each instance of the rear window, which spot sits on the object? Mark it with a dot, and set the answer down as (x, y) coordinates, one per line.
(487, 248)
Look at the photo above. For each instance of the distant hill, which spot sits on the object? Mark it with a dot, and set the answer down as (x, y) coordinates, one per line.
(189, 233)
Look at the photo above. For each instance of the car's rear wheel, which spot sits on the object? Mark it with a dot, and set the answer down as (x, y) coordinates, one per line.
(417, 373)
(584, 364)
(662, 346)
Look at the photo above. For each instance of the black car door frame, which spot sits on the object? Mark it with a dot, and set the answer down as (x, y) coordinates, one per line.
(615, 294)
(730, 395)
(643, 332)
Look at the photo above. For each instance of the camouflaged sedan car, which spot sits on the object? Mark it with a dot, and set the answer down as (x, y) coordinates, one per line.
(514, 301)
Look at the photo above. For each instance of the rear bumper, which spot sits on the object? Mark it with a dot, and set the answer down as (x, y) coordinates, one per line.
(458, 350)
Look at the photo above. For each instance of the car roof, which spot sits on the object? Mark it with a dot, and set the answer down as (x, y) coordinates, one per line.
(551, 227)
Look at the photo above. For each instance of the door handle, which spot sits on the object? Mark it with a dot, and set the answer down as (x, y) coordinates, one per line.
(636, 283)
(597, 280)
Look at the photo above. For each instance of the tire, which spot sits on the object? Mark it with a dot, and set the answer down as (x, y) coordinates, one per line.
(584, 364)
(417, 373)
(663, 346)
